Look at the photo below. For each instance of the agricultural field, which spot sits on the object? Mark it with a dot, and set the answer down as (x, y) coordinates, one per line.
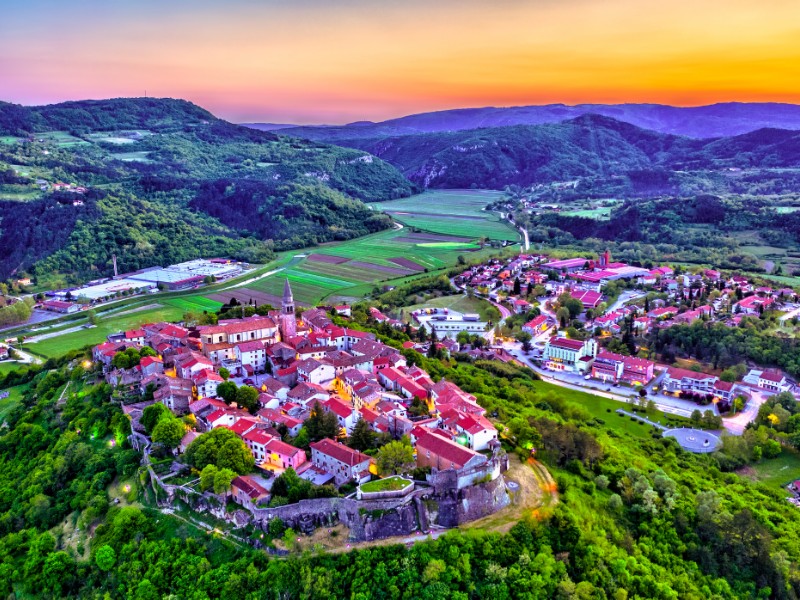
(19, 192)
(194, 304)
(8, 139)
(346, 271)
(600, 213)
(451, 212)
(141, 156)
(60, 138)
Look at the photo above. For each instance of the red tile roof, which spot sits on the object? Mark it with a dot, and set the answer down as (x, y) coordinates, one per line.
(339, 452)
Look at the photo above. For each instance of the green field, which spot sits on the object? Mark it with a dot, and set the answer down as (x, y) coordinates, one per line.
(451, 212)
(194, 304)
(60, 138)
(8, 139)
(19, 192)
(56, 346)
(782, 210)
(313, 280)
(7, 366)
(459, 303)
(7, 404)
(775, 472)
(601, 214)
(140, 156)
(605, 410)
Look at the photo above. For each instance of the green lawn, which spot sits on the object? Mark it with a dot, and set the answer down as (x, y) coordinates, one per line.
(451, 212)
(61, 344)
(775, 472)
(459, 303)
(390, 484)
(7, 366)
(7, 404)
(8, 139)
(605, 410)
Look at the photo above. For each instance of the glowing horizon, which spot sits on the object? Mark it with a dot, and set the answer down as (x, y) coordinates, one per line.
(310, 62)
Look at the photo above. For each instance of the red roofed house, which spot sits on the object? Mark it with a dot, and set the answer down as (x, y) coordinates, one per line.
(151, 365)
(343, 463)
(439, 453)
(252, 353)
(683, 380)
(588, 298)
(256, 440)
(536, 325)
(283, 455)
(753, 305)
(563, 354)
(247, 492)
(206, 382)
(135, 336)
(478, 430)
(345, 415)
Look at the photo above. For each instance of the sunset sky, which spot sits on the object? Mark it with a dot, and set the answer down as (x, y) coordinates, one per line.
(323, 61)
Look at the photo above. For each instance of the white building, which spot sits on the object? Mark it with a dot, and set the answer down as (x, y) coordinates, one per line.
(563, 354)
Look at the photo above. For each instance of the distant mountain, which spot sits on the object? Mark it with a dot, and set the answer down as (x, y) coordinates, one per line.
(167, 181)
(268, 126)
(701, 122)
(590, 146)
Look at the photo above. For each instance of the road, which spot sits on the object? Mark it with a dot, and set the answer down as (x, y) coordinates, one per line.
(666, 404)
(624, 298)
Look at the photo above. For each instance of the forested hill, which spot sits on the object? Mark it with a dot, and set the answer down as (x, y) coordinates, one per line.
(167, 181)
(588, 146)
(159, 114)
(715, 120)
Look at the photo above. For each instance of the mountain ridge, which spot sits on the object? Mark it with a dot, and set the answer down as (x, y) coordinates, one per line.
(722, 119)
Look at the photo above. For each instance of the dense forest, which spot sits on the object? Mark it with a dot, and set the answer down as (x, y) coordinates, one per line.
(194, 185)
(637, 516)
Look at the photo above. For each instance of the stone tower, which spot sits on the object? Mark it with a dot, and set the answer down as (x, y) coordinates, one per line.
(288, 322)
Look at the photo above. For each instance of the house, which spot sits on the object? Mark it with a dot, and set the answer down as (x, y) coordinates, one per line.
(219, 341)
(663, 312)
(637, 371)
(315, 371)
(251, 353)
(135, 336)
(440, 453)
(282, 455)
(256, 440)
(769, 379)
(246, 491)
(563, 354)
(521, 306)
(723, 390)
(477, 429)
(682, 380)
(151, 365)
(206, 383)
(536, 325)
(187, 365)
(753, 305)
(345, 415)
(344, 463)
(589, 298)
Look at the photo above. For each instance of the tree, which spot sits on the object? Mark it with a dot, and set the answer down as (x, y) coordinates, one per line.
(222, 480)
(227, 390)
(222, 448)
(247, 397)
(207, 476)
(169, 432)
(395, 457)
(563, 316)
(574, 306)
(525, 339)
(151, 416)
(363, 437)
(224, 373)
(321, 424)
(105, 558)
